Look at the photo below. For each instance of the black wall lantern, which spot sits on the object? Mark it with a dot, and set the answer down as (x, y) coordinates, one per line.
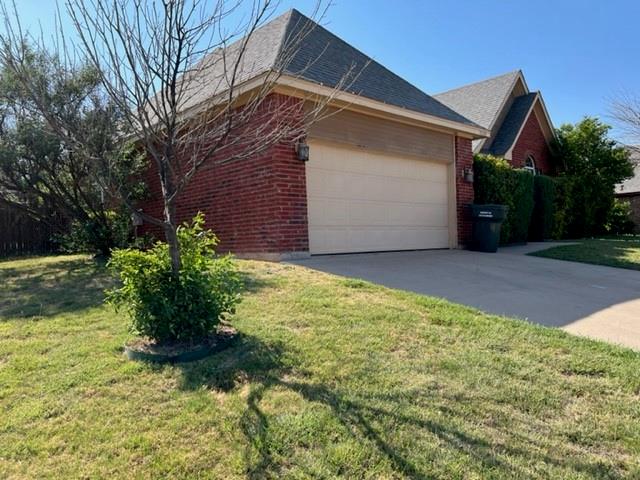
(467, 174)
(136, 219)
(302, 151)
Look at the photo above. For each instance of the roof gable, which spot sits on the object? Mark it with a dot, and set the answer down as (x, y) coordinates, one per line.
(508, 132)
(323, 58)
(502, 105)
(295, 45)
(481, 102)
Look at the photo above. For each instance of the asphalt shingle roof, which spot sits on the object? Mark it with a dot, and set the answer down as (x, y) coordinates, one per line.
(511, 124)
(480, 102)
(319, 57)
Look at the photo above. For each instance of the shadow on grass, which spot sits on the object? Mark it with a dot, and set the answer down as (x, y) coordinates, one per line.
(47, 289)
(253, 284)
(371, 417)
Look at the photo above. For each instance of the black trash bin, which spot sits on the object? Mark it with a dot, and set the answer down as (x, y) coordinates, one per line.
(487, 220)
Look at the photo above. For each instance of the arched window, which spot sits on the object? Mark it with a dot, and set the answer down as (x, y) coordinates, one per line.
(530, 164)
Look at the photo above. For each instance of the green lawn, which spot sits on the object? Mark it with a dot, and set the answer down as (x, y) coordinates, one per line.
(332, 378)
(621, 252)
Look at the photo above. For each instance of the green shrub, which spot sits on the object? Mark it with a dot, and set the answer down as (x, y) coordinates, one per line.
(619, 219)
(562, 212)
(522, 205)
(496, 182)
(491, 185)
(166, 307)
(593, 163)
(98, 235)
(544, 203)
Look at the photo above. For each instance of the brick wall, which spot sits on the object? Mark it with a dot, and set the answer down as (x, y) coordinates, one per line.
(532, 142)
(255, 206)
(464, 189)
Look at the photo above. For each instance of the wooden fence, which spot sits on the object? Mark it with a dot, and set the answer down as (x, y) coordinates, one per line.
(22, 235)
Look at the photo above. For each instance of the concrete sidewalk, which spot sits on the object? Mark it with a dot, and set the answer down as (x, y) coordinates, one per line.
(590, 300)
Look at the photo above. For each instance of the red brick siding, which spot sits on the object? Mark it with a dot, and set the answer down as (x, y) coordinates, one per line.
(464, 189)
(256, 205)
(532, 142)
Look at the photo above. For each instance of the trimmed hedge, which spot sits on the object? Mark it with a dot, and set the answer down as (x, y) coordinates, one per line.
(562, 207)
(496, 182)
(544, 208)
(541, 207)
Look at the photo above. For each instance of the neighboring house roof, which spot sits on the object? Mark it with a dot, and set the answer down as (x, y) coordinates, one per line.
(631, 185)
(502, 105)
(295, 45)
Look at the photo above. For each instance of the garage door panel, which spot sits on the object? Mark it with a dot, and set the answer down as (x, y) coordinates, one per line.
(418, 215)
(361, 201)
(337, 184)
(362, 161)
(372, 239)
(341, 212)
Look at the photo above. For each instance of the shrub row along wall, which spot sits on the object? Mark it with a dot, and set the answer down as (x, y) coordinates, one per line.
(542, 207)
(496, 182)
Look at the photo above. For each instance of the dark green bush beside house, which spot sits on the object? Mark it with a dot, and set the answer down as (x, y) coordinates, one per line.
(561, 207)
(495, 181)
(544, 208)
(522, 187)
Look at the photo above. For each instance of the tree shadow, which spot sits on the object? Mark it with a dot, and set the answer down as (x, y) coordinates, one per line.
(248, 359)
(370, 416)
(64, 285)
(45, 289)
(253, 284)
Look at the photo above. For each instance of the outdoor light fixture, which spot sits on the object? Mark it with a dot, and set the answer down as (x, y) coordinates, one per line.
(302, 151)
(136, 219)
(467, 174)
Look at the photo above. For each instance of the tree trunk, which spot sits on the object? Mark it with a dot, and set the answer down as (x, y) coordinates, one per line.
(170, 231)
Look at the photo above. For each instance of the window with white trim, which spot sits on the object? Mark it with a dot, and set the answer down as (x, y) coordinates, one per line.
(530, 164)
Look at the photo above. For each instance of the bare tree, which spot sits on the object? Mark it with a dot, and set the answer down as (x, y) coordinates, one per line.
(625, 110)
(179, 71)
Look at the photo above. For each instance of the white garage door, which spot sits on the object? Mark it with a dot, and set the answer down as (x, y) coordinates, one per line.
(360, 201)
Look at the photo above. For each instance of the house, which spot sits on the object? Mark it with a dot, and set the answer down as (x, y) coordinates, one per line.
(388, 170)
(517, 119)
(629, 190)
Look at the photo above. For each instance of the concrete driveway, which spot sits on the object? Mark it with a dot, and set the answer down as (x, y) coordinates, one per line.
(590, 300)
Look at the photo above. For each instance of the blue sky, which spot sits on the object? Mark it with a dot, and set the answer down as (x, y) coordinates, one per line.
(579, 53)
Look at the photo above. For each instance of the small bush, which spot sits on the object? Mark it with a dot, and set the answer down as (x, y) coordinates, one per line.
(186, 307)
(98, 236)
(619, 220)
(544, 203)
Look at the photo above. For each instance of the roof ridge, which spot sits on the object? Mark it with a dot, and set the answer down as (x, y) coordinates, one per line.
(370, 58)
(467, 85)
(296, 45)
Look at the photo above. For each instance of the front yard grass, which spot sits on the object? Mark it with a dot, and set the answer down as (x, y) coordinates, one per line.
(621, 252)
(332, 377)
